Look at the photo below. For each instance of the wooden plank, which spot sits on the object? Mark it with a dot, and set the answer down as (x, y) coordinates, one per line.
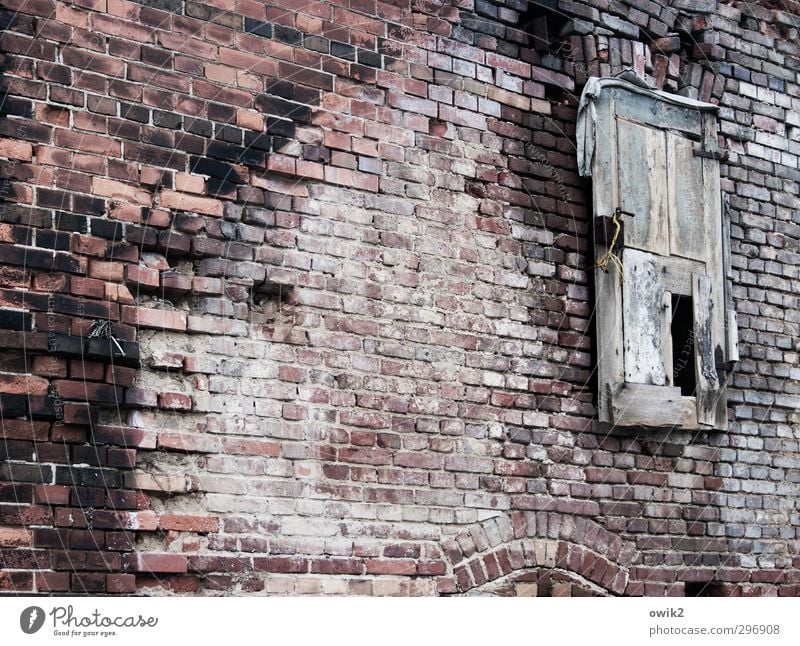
(643, 319)
(708, 125)
(666, 336)
(608, 284)
(731, 326)
(716, 272)
(641, 405)
(689, 413)
(687, 212)
(642, 186)
(655, 113)
(708, 386)
(676, 274)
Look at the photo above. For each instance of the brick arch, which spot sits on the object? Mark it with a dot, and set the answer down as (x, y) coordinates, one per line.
(496, 547)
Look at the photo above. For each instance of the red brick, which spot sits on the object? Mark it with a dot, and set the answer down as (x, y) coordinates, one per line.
(121, 191)
(23, 385)
(12, 149)
(89, 245)
(14, 537)
(49, 367)
(194, 442)
(16, 581)
(51, 494)
(85, 142)
(141, 276)
(190, 183)
(337, 566)
(158, 563)
(281, 164)
(113, 271)
(203, 524)
(282, 564)
(250, 119)
(183, 202)
(404, 567)
(153, 318)
(250, 447)
(52, 581)
(174, 401)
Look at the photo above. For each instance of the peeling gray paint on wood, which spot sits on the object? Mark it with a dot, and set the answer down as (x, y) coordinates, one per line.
(608, 284)
(687, 214)
(708, 387)
(731, 328)
(643, 318)
(676, 274)
(658, 114)
(652, 406)
(641, 184)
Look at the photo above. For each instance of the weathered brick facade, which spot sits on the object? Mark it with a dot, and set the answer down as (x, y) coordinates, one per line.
(345, 251)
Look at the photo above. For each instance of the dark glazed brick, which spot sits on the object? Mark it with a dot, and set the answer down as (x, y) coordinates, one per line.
(167, 119)
(343, 50)
(71, 222)
(15, 320)
(213, 168)
(257, 140)
(55, 240)
(89, 205)
(230, 134)
(173, 6)
(157, 57)
(134, 112)
(258, 27)
(26, 472)
(212, 14)
(221, 113)
(280, 127)
(287, 35)
(88, 477)
(108, 229)
(199, 126)
(371, 59)
(222, 150)
(277, 107)
(317, 44)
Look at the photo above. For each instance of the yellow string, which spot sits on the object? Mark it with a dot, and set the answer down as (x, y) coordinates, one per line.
(610, 256)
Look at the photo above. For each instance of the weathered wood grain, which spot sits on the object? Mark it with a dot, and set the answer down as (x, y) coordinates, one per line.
(658, 114)
(687, 212)
(642, 186)
(708, 387)
(642, 405)
(643, 320)
(608, 284)
(676, 274)
(731, 327)
(716, 273)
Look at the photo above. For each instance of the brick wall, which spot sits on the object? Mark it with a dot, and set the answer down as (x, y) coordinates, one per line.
(344, 249)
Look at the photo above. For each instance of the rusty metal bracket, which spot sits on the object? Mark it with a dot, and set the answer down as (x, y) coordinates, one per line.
(718, 153)
(605, 227)
(723, 367)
